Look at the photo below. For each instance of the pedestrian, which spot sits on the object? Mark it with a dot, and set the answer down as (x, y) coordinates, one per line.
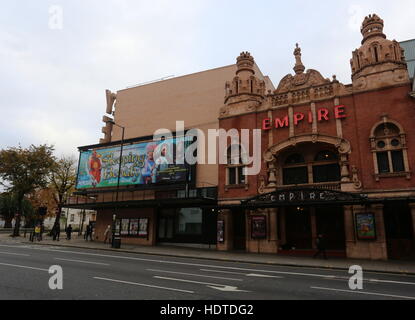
(107, 234)
(68, 232)
(321, 246)
(56, 232)
(37, 232)
(88, 233)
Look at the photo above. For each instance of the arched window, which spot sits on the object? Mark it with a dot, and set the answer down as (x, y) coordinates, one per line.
(318, 168)
(388, 147)
(235, 168)
(326, 167)
(295, 158)
(295, 170)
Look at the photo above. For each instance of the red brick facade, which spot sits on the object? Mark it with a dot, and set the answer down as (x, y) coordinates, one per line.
(300, 117)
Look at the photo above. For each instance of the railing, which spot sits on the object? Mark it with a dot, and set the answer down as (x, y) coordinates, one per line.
(335, 186)
(303, 95)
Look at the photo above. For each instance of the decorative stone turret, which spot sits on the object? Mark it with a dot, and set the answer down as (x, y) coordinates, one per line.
(246, 91)
(299, 67)
(379, 62)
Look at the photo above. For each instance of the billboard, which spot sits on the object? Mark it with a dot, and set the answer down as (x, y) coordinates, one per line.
(142, 164)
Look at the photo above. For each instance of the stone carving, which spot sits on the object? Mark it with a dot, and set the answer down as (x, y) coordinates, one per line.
(301, 81)
(355, 178)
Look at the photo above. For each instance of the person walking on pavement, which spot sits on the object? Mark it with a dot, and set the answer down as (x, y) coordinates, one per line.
(107, 234)
(37, 232)
(88, 233)
(56, 232)
(68, 232)
(321, 246)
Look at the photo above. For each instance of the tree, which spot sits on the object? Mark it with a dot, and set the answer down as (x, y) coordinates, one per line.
(22, 171)
(63, 181)
(9, 207)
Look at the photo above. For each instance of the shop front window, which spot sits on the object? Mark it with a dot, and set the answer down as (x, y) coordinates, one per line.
(189, 221)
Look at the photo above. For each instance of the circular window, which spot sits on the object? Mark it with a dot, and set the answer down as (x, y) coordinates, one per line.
(395, 143)
(381, 144)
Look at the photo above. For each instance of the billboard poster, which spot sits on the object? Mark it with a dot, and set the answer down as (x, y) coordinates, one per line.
(125, 226)
(365, 226)
(142, 164)
(259, 227)
(143, 228)
(117, 227)
(221, 231)
(133, 227)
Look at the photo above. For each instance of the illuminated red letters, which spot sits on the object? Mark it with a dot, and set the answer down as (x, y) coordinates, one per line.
(339, 112)
(323, 114)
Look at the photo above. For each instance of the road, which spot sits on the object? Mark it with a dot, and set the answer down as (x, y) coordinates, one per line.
(107, 275)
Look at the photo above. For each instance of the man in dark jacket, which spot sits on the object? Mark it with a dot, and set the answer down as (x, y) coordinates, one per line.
(68, 232)
(56, 232)
(321, 246)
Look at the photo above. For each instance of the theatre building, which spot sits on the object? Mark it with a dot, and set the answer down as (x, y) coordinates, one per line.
(338, 159)
(335, 159)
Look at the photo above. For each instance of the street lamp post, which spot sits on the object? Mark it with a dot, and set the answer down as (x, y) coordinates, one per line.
(118, 184)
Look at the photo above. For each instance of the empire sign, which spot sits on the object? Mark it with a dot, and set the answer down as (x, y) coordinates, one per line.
(304, 196)
(322, 114)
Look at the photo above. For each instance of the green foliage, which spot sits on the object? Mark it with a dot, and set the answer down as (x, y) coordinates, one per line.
(9, 207)
(24, 170)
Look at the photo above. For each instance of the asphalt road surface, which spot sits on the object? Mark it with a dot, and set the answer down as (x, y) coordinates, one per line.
(102, 275)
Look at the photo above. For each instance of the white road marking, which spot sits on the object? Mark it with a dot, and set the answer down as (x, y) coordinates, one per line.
(81, 261)
(15, 254)
(222, 287)
(192, 264)
(367, 293)
(203, 265)
(24, 267)
(243, 274)
(390, 281)
(143, 285)
(195, 275)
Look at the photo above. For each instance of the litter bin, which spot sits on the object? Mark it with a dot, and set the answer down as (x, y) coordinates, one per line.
(116, 243)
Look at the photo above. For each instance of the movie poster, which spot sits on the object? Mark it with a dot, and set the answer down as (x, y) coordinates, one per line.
(221, 231)
(125, 226)
(117, 227)
(143, 228)
(259, 227)
(365, 226)
(142, 164)
(133, 227)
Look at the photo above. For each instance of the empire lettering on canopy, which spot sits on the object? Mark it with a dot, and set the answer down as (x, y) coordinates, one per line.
(322, 114)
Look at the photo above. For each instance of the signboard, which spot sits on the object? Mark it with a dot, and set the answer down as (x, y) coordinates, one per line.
(221, 231)
(143, 228)
(322, 114)
(133, 227)
(142, 164)
(117, 227)
(365, 226)
(125, 226)
(258, 227)
(299, 196)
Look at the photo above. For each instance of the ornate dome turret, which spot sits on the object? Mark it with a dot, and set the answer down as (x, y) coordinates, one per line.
(372, 26)
(378, 58)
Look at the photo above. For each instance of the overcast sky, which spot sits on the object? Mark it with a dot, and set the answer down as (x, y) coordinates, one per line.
(53, 79)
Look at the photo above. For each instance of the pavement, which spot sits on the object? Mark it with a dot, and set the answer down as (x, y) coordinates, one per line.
(394, 267)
